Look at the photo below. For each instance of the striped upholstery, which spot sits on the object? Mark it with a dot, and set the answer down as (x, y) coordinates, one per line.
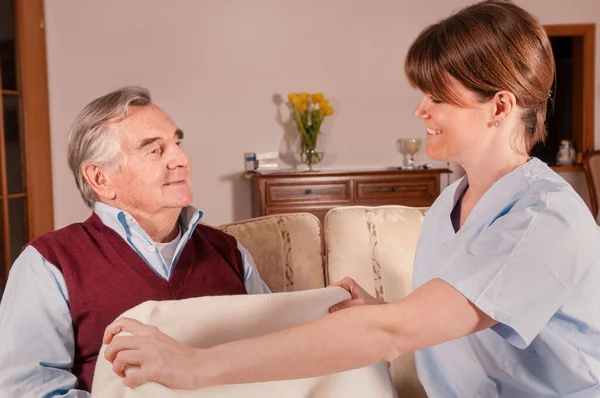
(376, 246)
(286, 249)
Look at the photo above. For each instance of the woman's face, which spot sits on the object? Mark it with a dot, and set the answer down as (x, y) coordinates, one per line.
(454, 133)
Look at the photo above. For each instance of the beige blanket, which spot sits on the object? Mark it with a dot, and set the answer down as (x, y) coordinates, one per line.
(208, 321)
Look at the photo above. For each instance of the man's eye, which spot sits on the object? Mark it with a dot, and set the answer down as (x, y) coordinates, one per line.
(155, 151)
(178, 143)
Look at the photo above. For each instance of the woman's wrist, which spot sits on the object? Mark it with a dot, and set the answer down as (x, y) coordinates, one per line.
(209, 370)
(201, 372)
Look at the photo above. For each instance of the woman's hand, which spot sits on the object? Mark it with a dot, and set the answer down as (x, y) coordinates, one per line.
(359, 295)
(159, 357)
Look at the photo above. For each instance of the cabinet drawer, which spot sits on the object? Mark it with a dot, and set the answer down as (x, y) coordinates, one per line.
(312, 192)
(395, 189)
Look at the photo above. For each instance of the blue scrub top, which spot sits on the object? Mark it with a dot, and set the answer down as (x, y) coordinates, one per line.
(528, 256)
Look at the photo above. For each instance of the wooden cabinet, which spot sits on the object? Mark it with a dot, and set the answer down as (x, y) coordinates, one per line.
(318, 192)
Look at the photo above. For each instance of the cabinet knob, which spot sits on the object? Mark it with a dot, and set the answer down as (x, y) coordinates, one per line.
(394, 189)
(308, 191)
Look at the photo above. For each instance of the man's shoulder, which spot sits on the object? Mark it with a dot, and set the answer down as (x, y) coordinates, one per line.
(64, 235)
(210, 233)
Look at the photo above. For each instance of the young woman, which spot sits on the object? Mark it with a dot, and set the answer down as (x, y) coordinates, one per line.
(506, 299)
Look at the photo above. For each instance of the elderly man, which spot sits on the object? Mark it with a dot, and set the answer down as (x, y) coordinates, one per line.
(142, 242)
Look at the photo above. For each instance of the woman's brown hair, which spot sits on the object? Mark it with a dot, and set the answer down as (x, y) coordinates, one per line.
(490, 46)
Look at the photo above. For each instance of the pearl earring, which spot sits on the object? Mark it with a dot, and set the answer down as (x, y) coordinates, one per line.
(496, 124)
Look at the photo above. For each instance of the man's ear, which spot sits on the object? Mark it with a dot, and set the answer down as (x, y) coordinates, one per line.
(98, 177)
(505, 103)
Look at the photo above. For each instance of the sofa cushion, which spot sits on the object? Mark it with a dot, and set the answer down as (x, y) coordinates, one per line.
(207, 321)
(287, 249)
(376, 246)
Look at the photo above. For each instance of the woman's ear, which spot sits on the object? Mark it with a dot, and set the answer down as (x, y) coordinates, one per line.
(98, 178)
(505, 103)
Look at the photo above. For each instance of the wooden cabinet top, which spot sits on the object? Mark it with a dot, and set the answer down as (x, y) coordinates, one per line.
(345, 173)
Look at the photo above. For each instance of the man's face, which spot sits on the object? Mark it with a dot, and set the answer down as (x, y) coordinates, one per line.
(153, 174)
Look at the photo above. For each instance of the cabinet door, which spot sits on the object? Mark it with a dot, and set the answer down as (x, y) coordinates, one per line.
(407, 191)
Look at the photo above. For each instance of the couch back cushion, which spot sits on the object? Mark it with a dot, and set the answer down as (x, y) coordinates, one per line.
(376, 246)
(287, 249)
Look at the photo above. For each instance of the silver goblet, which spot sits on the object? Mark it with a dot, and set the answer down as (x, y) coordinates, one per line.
(410, 146)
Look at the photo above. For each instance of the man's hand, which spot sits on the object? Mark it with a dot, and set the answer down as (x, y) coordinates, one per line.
(359, 295)
(159, 357)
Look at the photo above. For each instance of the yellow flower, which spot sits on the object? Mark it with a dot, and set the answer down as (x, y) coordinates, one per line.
(307, 117)
(292, 97)
(315, 98)
(297, 102)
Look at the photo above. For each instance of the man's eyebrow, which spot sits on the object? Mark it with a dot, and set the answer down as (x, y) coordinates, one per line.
(147, 141)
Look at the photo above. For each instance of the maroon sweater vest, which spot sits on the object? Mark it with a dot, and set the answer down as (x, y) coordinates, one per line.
(105, 277)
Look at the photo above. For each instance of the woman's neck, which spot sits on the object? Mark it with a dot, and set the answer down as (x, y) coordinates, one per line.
(482, 175)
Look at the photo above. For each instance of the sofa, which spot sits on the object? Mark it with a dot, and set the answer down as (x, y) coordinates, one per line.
(373, 245)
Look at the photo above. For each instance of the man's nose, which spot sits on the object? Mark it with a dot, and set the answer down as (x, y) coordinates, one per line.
(177, 158)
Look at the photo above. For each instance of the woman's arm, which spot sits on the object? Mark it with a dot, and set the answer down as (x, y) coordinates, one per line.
(344, 340)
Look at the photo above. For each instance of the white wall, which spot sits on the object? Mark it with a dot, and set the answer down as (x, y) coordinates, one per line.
(217, 67)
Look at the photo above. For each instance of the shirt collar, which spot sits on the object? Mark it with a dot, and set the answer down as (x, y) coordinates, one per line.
(122, 222)
(461, 186)
(532, 169)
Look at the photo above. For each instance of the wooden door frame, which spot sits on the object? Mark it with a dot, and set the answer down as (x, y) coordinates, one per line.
(30, 45)
(583, 83)
(31, 50)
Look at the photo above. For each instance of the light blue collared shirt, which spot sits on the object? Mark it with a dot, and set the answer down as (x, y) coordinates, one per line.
(36, 332)
(528, 256)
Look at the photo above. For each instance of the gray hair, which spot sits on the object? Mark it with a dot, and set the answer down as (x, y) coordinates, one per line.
(90, 141)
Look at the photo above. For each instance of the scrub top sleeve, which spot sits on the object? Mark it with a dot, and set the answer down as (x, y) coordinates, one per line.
(519, 269)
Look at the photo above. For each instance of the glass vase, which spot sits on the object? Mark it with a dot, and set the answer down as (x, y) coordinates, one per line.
(310, 153)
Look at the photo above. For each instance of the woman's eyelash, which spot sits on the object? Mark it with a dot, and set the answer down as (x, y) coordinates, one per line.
(435, 100)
